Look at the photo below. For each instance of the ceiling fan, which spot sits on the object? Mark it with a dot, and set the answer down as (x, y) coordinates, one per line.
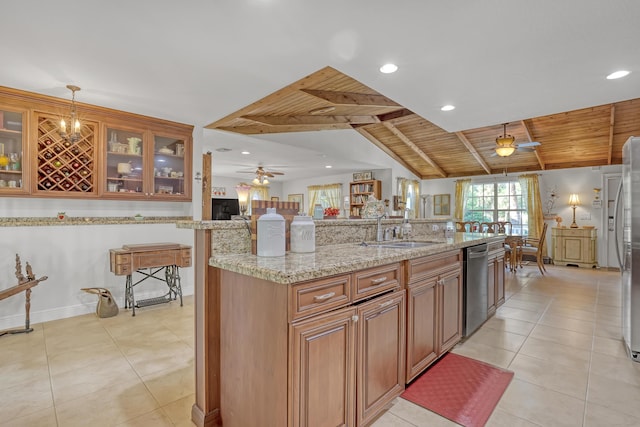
(506, 146)
(262, 175)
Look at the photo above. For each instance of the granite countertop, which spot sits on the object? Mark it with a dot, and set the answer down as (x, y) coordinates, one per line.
(336, 259)
(54, 221)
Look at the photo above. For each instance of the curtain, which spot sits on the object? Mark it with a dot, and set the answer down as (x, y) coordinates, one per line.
(462, 186)
(409, 194)
(257, 192)
(334, 194)
(313, 191)
(531, 188)
(328, 195)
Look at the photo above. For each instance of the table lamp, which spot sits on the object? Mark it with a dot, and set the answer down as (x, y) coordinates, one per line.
(573, 202)
(243, 197)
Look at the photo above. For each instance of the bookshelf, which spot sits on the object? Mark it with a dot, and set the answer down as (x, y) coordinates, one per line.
(359, 192)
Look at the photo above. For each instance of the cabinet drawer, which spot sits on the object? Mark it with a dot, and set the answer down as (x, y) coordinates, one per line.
(376, 280)
(428, 266)
(320, 296)
(495, 246)
(121, 269)
(154, 259)
(185, 258)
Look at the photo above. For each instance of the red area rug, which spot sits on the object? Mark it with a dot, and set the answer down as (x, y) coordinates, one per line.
(463, 390)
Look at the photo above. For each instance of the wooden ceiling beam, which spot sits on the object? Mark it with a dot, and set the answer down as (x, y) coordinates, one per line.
(395, 115)
(306, 120)
(351, 99)
(612, 121)
(530, 138)
(364, 132)
(414, 147)
(473, 152)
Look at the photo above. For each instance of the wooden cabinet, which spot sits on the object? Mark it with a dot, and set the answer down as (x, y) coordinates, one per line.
(118, 154)
(145, 164)
(360, 191)
(574, 246)
(327, 360)
(495, 277)
(323, 370)
(13, 153)
(434, 309)
(381, 355)
(63, 167)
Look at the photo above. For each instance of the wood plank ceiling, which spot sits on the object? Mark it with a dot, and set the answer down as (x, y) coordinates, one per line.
(328, 99)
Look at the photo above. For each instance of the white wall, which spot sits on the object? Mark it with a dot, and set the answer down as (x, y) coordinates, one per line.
(581, 181)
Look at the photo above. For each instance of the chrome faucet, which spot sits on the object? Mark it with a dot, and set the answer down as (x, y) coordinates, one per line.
(379, 232)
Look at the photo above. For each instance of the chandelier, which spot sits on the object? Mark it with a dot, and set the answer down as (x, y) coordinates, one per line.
(73, 135)
(504, 144)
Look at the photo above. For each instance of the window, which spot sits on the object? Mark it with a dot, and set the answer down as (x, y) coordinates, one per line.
(329, 196)
(498, 201)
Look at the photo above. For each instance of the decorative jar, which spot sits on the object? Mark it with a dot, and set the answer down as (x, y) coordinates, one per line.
(303, 234)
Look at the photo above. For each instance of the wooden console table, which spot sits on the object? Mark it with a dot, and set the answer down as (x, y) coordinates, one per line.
(154, 258)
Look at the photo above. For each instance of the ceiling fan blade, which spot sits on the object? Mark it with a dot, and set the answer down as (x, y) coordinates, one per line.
(528, 144)
(276, 173)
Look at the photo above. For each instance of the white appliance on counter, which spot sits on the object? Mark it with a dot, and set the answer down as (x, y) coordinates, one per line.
(629, 252)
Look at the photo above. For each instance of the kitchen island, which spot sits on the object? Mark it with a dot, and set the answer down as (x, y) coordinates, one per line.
(322, 338)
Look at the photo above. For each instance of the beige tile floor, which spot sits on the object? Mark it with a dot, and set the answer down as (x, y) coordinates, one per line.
(560, 335)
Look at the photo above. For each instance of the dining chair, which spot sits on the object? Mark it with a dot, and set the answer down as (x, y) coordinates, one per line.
(513, 252)
(533, 247)
(467, 226)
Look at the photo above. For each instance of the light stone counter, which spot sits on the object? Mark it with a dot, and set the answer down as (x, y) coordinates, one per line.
(336, 259)
(49, 221)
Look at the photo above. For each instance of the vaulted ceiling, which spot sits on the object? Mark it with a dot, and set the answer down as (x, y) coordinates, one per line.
(330, 100)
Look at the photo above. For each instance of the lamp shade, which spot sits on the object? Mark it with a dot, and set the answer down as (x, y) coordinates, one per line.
(243, 193)
(505, 150)
(574, 200)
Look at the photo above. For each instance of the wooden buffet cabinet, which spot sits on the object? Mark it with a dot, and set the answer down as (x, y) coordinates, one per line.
(118, 155)
(574, 246)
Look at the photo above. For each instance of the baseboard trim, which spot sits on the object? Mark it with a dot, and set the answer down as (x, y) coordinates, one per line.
(47, 315)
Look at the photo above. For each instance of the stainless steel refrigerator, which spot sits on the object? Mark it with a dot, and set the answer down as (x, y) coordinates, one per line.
(628, 201)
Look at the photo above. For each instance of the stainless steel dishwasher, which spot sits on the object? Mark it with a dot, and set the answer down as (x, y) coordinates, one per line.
(475, 288)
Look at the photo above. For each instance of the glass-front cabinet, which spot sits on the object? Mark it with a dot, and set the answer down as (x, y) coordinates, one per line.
(169, 166)
(12, 151)
(146, 164)
(125, 166)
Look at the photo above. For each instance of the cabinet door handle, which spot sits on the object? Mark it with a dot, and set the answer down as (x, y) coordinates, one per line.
(384, 304)
(324, 297)
(378, 281)
(355, 318)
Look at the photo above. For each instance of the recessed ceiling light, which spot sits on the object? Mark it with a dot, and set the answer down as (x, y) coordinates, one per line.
(617, 75)
(448, 107)
(223, 150)
(328, 166)
(389, 68)
(245, 152)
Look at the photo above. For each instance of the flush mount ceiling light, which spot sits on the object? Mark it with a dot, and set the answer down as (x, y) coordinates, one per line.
(328, 166)
(618, 75)
(245, 152)
(389, 68)
(448, 107)
(74, 124)
(504, 143)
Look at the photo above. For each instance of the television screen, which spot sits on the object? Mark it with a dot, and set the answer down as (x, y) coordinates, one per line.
(224, 208)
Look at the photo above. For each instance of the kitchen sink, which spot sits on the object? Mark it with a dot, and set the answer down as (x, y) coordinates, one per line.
(400, 244)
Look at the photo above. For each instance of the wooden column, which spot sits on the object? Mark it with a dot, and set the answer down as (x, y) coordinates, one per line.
(206, 410)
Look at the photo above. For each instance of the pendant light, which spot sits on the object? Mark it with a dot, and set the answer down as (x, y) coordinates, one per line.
(73, 135)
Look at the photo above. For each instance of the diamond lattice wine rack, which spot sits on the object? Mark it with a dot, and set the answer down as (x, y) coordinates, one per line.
(64, 165)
